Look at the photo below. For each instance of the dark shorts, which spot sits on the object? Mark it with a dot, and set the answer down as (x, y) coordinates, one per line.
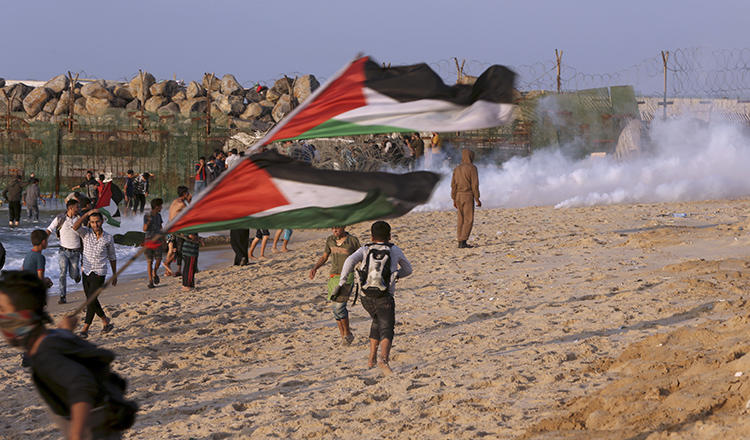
(383, 313)
(153, 254)
(259, 233)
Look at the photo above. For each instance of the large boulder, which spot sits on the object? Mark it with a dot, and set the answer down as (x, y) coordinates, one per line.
(43, 117)
(192, 105)
(282, 108)
(170, 109)
(231, 105)
(252, 96)
(133, 105)
(118, 102)
(209, 78)
(153, 103)
(179, 96)
(254, 110)
(282, 86)
(96, 106)
(230, 85)
(195, 90)
(96, 90)
(58, 84)
(35, 100)
(63, 104)
(164, 88)
(304, 86)
(50, 106)
(79, 106)
(140, 89)
(123, 91)
(16, 94)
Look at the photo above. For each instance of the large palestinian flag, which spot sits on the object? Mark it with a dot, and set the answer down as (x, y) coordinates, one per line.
(365, 98)
(269, 190)
(111, 195)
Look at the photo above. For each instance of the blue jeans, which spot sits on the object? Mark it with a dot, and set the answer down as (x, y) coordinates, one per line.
(199, 185)
(70, 263)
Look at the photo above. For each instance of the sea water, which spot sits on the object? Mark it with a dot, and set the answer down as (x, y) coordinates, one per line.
(17, 243)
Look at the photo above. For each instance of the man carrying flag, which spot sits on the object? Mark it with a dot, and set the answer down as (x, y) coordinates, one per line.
(110, 195)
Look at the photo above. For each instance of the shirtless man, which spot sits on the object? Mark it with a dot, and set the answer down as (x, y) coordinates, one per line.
(174, 242)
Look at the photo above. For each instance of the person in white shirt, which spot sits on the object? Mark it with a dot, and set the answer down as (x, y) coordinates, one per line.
(232, 158)
(377, 298)
(98, 250)
(69, 255)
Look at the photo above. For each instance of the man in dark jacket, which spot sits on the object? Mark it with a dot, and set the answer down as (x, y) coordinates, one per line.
(12, 195)
(71, 375)
(464, 192)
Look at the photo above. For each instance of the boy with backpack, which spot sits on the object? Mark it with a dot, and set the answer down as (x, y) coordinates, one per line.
(383, 263)
(72, 376)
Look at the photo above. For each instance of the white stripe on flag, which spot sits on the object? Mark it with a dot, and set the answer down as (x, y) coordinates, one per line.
(307, 195)
(427, 114)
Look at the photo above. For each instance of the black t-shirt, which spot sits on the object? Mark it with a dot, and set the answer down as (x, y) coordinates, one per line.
(65, 369)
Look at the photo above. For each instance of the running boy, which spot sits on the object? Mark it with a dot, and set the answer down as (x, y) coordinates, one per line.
(341, 244)
(383, 264)
(152, 227)
(72, 376)
(35, 261)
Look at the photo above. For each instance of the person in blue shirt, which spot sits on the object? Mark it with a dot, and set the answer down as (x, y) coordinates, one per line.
(34, 261)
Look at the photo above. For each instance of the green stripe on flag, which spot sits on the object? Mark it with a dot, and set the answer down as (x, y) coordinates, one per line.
(110, 220)
(372, 207)
(333, 128)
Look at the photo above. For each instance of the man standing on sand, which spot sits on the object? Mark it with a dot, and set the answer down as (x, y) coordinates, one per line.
(341, 244)
(464, 192)
(379, 287)
(12, 195)
(152, 227)
(69, 255)
(174, 242)
(98, 249)
(31, 199)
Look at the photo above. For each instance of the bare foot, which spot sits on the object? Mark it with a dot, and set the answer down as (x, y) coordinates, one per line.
(186, 289)
(168, 272)
(262, 257)
(370, 363)
(386, 368)
(274, 250)
(253, 257)
(285, 250)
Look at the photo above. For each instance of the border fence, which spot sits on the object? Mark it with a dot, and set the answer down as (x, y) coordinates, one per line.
(557, 103)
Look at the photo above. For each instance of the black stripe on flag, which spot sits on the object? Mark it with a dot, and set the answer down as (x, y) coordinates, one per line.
(413, 187)
(419, 81)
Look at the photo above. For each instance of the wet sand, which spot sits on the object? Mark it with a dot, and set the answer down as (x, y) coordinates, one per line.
(618, 321)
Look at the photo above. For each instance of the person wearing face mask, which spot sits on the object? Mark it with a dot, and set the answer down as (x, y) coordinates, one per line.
(73, 377)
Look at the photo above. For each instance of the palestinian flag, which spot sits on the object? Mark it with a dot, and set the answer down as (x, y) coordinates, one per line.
(110, 196)
(366, 98)
(269, 190)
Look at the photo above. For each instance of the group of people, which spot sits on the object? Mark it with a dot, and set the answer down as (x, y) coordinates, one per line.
(79, 385)
(18, 193)
(207, 170)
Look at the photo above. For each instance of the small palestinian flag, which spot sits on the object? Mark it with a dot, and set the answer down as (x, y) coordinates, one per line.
(110, 196)
(269, 190)
(366, 98)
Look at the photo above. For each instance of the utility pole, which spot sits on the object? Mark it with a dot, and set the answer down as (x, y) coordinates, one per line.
(665, 59)
(71, 100)
(208, 104)
(558, 56)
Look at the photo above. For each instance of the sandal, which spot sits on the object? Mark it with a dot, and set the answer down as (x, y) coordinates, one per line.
(108, 328)
(84, 334)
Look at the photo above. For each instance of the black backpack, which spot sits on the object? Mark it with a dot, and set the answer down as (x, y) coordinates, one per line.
(375, 273)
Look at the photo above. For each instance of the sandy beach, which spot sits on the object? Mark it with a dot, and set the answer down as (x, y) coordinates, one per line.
(620, 321)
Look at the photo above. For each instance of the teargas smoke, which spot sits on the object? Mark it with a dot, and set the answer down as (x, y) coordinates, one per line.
(680, 160)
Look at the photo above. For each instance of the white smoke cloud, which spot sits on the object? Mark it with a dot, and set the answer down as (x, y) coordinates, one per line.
(688, 160)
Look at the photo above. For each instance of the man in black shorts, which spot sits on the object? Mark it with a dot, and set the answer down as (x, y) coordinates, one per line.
(378, 287)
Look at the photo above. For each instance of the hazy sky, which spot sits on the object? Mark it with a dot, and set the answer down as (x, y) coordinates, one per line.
(260, 40)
